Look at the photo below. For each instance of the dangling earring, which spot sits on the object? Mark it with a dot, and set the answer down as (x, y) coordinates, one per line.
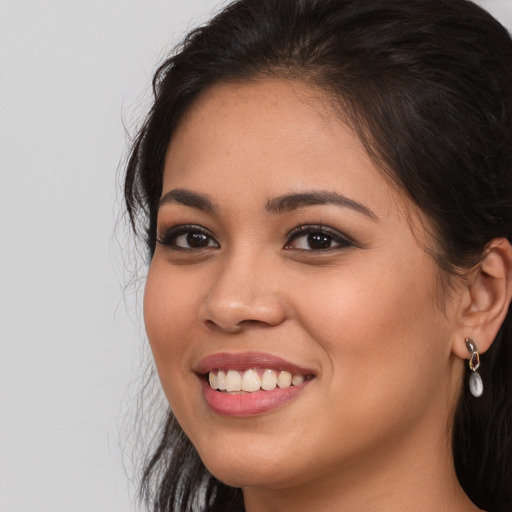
(476, 386)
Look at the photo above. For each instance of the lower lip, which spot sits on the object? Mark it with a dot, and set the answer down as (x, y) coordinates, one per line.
(250, 404)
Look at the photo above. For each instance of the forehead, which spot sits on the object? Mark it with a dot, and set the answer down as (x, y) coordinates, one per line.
(272, 112)
(273, 136)
(287, 121)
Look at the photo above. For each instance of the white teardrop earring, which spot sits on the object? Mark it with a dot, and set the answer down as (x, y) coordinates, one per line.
(476, 386)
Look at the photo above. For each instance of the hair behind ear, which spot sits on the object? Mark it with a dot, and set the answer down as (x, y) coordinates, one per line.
(483, 429)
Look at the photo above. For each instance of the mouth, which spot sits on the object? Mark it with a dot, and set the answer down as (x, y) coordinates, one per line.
(247, 384)
(254, 380)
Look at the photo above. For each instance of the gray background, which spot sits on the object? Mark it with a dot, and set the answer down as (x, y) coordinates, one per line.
(72, 72)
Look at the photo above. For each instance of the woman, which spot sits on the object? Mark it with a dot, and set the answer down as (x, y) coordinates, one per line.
(326, 187)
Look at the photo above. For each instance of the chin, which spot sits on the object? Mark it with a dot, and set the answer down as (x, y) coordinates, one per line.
(244, 476)
(247, 468)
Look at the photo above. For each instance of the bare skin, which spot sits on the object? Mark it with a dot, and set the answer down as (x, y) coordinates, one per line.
(344, 288)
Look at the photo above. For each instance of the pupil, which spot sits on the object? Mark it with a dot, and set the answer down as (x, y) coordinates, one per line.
(319, 241)
(197, 240)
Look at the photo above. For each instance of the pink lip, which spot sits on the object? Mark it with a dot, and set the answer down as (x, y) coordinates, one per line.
(247, 360)
(248, 404)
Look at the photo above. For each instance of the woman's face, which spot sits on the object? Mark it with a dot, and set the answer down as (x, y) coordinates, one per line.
(283, 249)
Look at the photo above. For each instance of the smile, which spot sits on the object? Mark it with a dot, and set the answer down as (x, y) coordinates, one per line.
(250, 383)
(252, 380)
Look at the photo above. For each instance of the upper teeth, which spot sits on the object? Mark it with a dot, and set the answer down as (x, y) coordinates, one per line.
(253, 380)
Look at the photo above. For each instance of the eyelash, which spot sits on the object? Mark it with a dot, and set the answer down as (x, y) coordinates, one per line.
(334, 235)
(169, 238)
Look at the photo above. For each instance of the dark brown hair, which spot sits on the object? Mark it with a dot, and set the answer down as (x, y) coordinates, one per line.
(427, 85)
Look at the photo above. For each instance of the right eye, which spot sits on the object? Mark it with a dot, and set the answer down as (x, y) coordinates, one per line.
(187, 238)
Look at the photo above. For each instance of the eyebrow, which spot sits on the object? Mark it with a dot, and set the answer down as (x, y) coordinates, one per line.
(277, 205)
(290, 202)
(188, 198)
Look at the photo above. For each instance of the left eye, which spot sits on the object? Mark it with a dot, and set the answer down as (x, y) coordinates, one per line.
(188, 238)
(316, 239)
(194, 240)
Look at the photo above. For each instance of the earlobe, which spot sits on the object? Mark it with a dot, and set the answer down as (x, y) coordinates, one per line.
(489, 291)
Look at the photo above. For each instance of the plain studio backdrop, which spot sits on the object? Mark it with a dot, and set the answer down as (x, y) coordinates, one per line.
(73, 75)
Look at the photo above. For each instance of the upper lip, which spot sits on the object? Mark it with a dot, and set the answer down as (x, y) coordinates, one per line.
(246, 361)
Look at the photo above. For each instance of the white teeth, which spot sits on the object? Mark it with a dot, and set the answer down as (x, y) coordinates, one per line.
(297, 380)
(212, 378)
(221, 380)
(251, 381)
(284, 380)
(268, 380)
(233, 381)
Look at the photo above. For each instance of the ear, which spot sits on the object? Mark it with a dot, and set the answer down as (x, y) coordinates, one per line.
(487, 294)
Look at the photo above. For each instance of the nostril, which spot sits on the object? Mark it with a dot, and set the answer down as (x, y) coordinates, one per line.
(243, 324)
(211, 324)
(217, 326)
(250, 323)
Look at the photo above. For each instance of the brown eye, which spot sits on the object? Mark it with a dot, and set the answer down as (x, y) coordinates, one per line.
(316, 238)
(193, 240)
(319, 241)
(187, 238)
(197, 240)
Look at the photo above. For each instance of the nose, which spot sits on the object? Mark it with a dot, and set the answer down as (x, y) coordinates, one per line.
(244, 293)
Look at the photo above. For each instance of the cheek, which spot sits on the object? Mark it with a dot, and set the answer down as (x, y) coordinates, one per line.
(169, 305)
(382, 332)
(361, 308)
